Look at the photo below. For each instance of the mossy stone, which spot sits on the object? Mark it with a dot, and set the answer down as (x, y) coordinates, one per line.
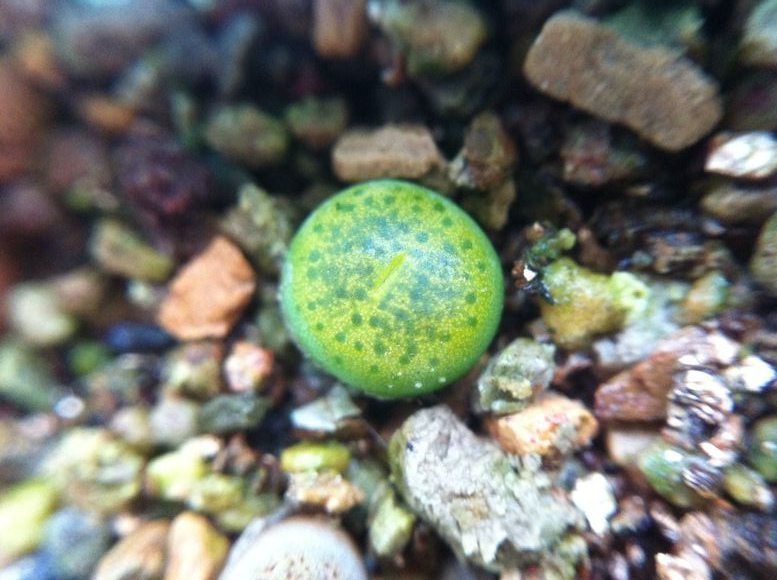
(392, 288)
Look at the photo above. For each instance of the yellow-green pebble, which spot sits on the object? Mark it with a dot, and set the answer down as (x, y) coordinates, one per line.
(24, 509)
(315, 457)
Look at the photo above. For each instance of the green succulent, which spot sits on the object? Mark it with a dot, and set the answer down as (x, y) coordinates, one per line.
(392, 288)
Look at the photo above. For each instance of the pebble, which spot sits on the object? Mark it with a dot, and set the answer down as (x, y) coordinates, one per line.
(34, 312)
(140, 555)
(317, 122)
(195, 549)
(247, 135)
(247, 367)
(230, 413)
(24, 509)
(119, 250)
(194, 370)
(327, 489)
(75, 540)
(488, 155)
(662, 96)
(23, 115)
(763, 264)
(339, 27)
(593, 495)
(299, 547)
(745, 155)
(734, 203)
(759, 42)
(173, 420)
(763, 448)
(550, 426)
(626, 443)
(436, 37)
(407, 151)
(640, 393)
(126, 337)
(208, 295)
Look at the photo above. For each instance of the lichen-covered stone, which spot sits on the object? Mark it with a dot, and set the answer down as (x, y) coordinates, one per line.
(586, 303)
(518, 372)
(406, 151)
(392, 288)
(763, 264)
(209, 293)
(494, 511)
(662, 96)
(551, 426)
(26, 378)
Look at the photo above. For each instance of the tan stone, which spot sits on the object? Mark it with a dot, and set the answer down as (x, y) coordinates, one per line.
(140, 555)
(208, 294)
(328, 489)
(196, 550)
(339, 27)
(552, 425)
(657, 92)
(407, 151)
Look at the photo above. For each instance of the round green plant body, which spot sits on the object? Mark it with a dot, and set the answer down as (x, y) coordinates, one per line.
(392, 288)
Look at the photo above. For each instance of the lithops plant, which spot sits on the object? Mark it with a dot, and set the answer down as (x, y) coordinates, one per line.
(392, 288)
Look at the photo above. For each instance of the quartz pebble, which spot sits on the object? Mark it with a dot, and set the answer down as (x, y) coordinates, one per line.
(208, 294)
(663, 97)
(748, 155)
(594, 496)
(140, 555)
(299, 547)
(247, 366)
(196, 550)
(407, 151)
(551, 425)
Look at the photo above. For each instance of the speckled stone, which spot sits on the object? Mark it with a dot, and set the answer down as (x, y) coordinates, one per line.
(392, 288)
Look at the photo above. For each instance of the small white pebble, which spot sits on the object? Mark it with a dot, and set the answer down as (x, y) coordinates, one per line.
(594, 497)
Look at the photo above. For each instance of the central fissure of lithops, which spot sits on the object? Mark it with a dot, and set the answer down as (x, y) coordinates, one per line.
(388, 276)
(392, 288)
